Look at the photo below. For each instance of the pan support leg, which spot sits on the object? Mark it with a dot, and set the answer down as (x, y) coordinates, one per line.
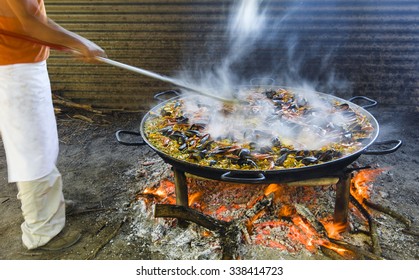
(181, 191)
(342, 199)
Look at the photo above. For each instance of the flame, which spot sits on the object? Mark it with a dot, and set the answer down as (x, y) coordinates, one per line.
(194, 198)
(341, 251)
(286, 211)
(333, 229)
(276, 189)
(361, 183)
(164, 193)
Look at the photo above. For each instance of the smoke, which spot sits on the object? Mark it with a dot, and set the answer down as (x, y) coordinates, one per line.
(267, 39)
(264, 40)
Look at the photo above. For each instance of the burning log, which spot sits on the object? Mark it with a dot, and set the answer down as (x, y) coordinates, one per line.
(332, 254)
(259, 206)
(389, 212)
(306, 213)
(372, 225)
(189, 214)
(356, 250)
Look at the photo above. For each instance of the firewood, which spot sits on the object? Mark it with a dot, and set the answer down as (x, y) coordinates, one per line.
(107, 240)
(411, 232)
(376, 248)
(388, 211)
(189, 214)
(58, 100)
(259, 206)
(372, 225)
(306, 213)
(331, 253)
(83, 118)
(356, 250)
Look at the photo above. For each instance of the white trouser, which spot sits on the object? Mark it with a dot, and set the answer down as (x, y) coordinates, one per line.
(43, 209)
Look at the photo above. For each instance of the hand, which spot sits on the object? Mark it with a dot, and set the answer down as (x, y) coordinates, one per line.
(89, 51)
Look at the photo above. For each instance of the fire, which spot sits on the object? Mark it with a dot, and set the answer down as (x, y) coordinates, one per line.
(333, 229)
(164, 193)
(341, 251)
(286, 211)
(274, 188)
(281, 225)
(194, 198)
(361, 183)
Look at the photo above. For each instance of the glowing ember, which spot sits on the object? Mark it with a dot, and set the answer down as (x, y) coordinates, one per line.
(304, 233)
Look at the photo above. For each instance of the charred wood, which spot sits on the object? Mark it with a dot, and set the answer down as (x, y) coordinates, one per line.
(266, 201)
(388, 211)
(189, 214)
(107, 240)
(411, 232)
(306, 213)
(331, 254)
(359, 251)
(372, 225)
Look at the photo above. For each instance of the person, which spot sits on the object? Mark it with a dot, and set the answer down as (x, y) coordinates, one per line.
(27, 121)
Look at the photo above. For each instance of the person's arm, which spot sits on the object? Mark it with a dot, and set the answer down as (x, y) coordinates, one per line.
(50, 32)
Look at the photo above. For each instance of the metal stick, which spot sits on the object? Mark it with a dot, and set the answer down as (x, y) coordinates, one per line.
(163, 78)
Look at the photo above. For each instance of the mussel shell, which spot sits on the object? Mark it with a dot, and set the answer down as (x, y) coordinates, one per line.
(309, 160)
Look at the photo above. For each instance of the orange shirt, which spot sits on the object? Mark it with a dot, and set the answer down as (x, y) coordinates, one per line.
(15, 50)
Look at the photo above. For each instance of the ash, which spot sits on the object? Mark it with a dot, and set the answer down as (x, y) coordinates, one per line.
(170, 241)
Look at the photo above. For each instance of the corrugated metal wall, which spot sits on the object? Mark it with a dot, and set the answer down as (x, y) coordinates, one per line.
(373, 45)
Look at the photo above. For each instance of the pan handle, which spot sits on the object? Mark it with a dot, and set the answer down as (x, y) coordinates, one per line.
(160, 96)
(397, 145)
(229, 176)
(372, 101)
(127, 132)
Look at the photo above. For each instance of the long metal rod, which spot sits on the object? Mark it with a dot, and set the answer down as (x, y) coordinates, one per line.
(162, 78)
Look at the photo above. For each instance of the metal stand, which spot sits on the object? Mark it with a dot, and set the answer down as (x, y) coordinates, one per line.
(342, 181)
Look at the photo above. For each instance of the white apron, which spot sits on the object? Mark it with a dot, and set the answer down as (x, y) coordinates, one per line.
(27, 121)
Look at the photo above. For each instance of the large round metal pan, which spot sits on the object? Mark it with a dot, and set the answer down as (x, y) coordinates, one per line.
(319, 170)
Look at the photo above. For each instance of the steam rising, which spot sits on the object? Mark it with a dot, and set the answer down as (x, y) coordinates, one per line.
(253, 32)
